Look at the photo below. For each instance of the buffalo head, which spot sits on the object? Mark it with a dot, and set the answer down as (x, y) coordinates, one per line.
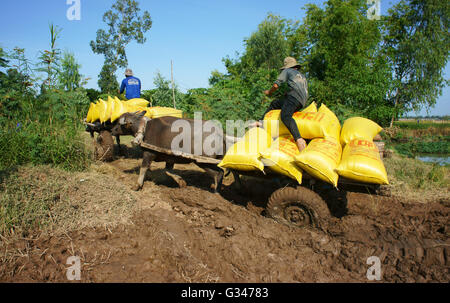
(128, 124)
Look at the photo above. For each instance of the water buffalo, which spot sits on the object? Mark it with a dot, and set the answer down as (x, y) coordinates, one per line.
(162, 132)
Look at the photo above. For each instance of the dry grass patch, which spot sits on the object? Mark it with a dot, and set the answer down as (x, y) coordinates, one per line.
(54, 201)
(414, 180)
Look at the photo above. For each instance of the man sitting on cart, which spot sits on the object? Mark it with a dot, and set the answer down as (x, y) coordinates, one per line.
(293, 101)
(131, 85)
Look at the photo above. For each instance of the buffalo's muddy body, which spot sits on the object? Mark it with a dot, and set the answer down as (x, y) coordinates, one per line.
(162, 132)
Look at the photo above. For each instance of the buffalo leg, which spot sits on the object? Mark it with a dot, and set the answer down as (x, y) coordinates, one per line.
(169, 165)
(237, 180)
(118, 144)
(176, 178)
(146, 162)
(216, 173)
(169, 172)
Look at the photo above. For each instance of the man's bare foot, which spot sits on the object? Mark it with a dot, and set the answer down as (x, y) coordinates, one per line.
(301, 144)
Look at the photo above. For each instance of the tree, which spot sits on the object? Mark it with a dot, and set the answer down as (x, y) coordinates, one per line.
(125, 24)
(92, 94)
(162, 94)
(69, 76)
(249, 75)
(3, 61)
(20, 62)
(107, 80)
(16, 84)
(268, 46)
(345, 67)
(49, 59)
(417, 45)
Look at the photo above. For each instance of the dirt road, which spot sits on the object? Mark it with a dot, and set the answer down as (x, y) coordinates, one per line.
(192, 235)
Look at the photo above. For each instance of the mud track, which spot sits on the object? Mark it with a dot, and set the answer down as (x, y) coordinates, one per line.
(192, 235)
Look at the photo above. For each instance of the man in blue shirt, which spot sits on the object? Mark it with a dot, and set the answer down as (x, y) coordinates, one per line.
(131, 84)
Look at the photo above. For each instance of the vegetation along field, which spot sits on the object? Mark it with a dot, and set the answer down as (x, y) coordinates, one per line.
(57, 200)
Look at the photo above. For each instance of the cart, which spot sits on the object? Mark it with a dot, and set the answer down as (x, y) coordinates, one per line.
(291, 204)
(302, 205)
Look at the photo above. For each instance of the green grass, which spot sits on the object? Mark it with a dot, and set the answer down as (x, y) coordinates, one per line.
(411, 142)
(421, 125)
(56, 143)
(417, 146)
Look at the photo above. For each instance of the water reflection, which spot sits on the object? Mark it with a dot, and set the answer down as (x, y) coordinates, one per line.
(440, 159)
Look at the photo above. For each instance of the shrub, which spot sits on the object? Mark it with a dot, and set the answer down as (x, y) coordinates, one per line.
(61, 105)
(51, 142)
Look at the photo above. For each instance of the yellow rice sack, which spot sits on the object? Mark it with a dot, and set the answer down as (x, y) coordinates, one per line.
(312, 108)
(320, 158)
(106, 114)
(334, 129)
(280, 158)
(310, 124)
(121, 107)
(90, 113)
(138, 102)
(101, 106)
(96, 111)
(245, 155)
(361, 162)
(157, 112)
(130, 107)
(118, 109)
(359, 128)
(273, 124)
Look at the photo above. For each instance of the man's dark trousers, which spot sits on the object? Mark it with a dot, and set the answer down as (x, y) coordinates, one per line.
(288, 105)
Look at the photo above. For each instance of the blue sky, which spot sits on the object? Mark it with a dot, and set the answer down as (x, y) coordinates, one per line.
(195, 34)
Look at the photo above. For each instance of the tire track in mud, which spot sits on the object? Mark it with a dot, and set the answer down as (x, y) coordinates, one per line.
(411, 240)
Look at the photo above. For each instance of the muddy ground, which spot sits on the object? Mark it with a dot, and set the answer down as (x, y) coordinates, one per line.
(193, 235)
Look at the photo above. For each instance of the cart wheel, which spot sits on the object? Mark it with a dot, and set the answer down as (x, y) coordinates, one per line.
(298, 207)
(104, 146)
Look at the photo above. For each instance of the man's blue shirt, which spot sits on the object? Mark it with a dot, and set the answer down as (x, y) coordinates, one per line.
(132, 85)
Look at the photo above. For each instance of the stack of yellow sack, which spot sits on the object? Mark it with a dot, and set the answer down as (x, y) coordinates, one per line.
(157, 112)
(245, 155)
(324, 158)
(320, 159)
(312, 123)
(280, 158)
(113, 108)
(257, 149)
(361, 159)
(321, 156)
